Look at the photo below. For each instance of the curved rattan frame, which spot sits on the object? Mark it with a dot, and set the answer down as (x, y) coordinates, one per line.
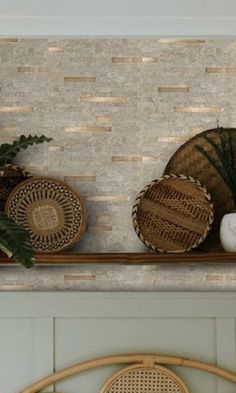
(146, 359)
(156, 181)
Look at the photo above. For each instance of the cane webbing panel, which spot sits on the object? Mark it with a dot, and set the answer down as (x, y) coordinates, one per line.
(142, 379)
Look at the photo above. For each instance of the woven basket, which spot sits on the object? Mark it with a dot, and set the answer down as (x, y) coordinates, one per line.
(144, 379)
(188, 160)
(173, 214)
(10, 177)
(51, 211)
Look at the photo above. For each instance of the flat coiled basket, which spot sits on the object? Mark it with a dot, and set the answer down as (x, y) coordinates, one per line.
(51, 211)
(173, 214)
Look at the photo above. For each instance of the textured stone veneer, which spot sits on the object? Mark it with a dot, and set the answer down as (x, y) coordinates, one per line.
(103, 277)
(117, 110)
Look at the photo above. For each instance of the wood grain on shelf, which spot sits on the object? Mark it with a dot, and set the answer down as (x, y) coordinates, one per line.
(129, 258)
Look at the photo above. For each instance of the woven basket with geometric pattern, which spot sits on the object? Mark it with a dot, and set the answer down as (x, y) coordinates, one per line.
(50, 210)
(173, 214)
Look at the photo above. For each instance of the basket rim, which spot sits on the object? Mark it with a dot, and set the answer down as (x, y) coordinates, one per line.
(199, 135)
(140, 196)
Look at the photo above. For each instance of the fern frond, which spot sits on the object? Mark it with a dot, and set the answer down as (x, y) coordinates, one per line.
(15, 241)
(9, 151)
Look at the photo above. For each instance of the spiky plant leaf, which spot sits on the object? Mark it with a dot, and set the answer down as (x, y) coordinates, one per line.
(224, 162)
(217, 147)
(15, 241)
(216, 164)
(225, 141)
(223, 157)
(233, 149)
(9, 151)
(227, 147)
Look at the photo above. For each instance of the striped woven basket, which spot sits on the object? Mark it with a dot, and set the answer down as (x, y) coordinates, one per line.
(173, 214)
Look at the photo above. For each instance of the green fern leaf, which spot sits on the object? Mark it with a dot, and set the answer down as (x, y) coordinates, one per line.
(9, 151)
(15, 241)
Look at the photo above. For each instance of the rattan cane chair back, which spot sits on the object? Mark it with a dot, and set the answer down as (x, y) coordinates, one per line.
(141, 379)
(143, 375)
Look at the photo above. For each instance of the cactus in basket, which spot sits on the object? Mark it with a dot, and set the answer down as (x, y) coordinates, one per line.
(14, 239)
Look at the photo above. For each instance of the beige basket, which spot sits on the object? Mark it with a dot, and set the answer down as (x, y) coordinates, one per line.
(173, 214)
(51, 211)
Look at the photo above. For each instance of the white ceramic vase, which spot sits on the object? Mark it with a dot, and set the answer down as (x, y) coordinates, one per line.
(228, 232)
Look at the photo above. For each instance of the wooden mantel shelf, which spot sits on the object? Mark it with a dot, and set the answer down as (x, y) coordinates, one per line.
(195, 271)
(129, 258)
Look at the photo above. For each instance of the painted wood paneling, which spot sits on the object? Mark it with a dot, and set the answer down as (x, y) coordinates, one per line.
(40, 332)
(79, 339)
(225, 346)
(117, 304)
(26, 351)
(132, 8)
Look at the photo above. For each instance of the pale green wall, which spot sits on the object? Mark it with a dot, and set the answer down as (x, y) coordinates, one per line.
(123, 17)
(40, 332)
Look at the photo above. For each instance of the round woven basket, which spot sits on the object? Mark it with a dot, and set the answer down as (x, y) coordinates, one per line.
(173, 214)
(188, 160)
(51, 211)
(10, 176)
